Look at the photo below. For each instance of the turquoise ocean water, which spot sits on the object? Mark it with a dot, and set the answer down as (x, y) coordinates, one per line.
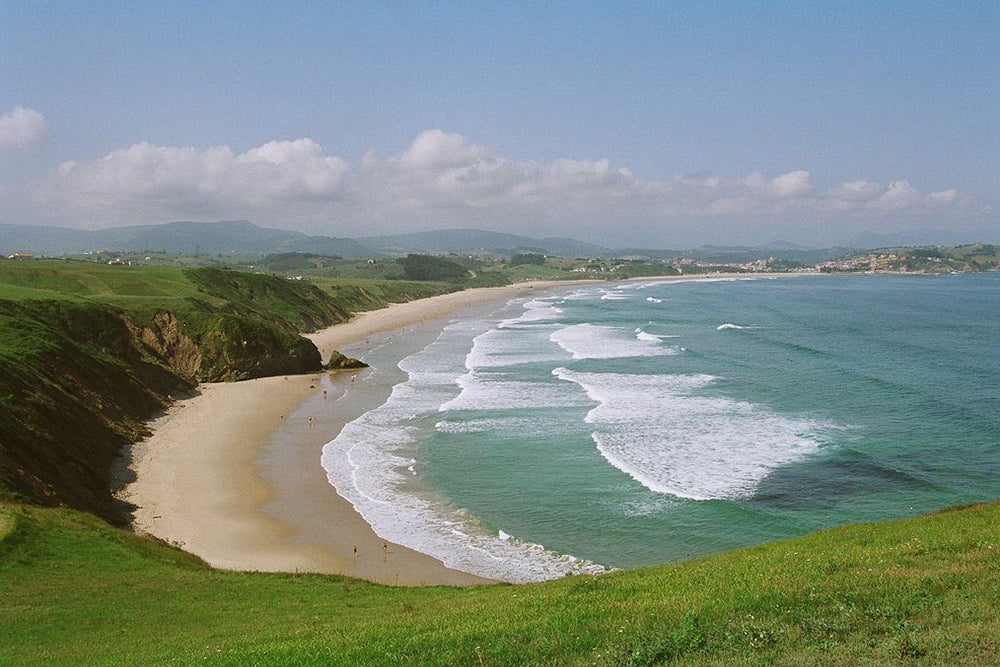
(635, 423)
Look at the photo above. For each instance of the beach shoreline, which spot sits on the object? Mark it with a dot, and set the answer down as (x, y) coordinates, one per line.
(232, 473)
(200, 478)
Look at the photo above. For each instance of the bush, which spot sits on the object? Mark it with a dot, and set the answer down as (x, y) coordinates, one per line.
(527, 258)
(429, 267)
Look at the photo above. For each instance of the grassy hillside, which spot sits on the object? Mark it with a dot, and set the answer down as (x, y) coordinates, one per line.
(360, 294)
(206, 324)
(916, 591)
(971, 257)
(80, 281)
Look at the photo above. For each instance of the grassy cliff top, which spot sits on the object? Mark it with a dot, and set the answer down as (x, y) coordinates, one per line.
(177, 287)
(86, 281)
(925, 589)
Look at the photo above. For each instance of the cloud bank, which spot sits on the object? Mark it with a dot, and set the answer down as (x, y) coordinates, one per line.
(445, 180)
(20, 127)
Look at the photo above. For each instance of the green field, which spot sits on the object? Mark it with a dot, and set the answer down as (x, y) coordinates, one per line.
(360, 294)
(924, 590)
(78, 281)
(167, 287)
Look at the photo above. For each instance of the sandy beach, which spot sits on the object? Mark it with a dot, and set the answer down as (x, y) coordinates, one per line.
(403, 314)
(200, 478)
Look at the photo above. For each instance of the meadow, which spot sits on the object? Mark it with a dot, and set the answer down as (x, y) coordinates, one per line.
(924, 590)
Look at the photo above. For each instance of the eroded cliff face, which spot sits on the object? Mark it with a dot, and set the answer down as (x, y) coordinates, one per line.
(238, 348)
(229, 348)
(165, 340)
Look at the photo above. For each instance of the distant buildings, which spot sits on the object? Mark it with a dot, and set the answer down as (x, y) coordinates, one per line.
(873, 262)
(22, 256)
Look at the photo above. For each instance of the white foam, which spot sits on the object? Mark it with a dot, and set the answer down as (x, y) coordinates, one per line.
(646, 505)
(688, 281)
(497, 391)
(371, 463)
(537, 310)
(728, 325)
(510, 345)
(579, 295)
(521, 340)
(472, 425)
(662, 433)
(505, 344)
(642, 335)
(589, 341)
(653, 299)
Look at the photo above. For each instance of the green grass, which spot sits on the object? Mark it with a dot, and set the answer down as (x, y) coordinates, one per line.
(360, 294)
(922, 590)
(67, 280)
(6, 524)
(537, 272)
(140, 288)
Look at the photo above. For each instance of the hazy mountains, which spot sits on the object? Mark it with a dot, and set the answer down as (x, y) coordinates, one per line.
(239, 237)
(477, 240)
(242, 237)
(227, 236)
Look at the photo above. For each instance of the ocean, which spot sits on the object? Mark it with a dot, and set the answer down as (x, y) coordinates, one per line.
(617, 425)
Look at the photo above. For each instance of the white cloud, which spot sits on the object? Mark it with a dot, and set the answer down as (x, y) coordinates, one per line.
(855, 191)
(443, 179)
(942, 197)
(145, 176)
(20, 127)
(899, 195)
(436, 149)
(442, 170)
(793, 184)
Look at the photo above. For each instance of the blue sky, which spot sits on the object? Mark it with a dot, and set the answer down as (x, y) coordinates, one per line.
(668, 124)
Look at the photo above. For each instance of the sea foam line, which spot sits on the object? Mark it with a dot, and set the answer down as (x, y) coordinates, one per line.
(590, 341)
(661, 432)
(370, 463)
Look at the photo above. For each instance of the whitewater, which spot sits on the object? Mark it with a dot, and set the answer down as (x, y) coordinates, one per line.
(633, 423)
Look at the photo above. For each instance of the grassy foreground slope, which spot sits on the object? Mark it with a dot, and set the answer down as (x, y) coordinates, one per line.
(924, 590)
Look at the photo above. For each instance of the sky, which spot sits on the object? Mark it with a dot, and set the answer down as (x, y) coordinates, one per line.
(663, 124)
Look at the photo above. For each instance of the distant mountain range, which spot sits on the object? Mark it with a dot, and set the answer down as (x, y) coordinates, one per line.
(920, 237)
(226, 236)
(240, 237)
(478, 240)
